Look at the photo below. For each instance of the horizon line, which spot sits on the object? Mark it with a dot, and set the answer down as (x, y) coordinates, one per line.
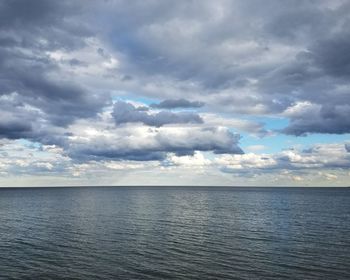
(164, 186)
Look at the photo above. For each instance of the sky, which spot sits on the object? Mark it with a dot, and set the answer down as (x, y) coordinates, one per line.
(225, 92)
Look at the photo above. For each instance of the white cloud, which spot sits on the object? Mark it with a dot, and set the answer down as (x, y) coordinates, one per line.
(256, 148)
(192, 161)
(246, 161)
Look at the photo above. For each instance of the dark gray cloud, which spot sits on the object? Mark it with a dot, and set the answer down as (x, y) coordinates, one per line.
(243, 60)
(124, 112)
(325, 119)
(63, 102)
(15, 129)
(177, 103)
(347, 147)
(105, 153)
(331, 54)
(28, 31)
(24, 23)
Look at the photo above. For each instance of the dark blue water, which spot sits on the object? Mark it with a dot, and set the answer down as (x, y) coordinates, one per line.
(174, 233)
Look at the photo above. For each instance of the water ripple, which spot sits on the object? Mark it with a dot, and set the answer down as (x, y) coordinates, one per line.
(174, 233)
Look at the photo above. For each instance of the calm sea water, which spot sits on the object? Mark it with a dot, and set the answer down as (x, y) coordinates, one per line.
(175, 233)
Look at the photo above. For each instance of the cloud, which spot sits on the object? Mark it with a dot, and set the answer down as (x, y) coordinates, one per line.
(262, 65)
(147, 144)
(32, 160)
(347, 147)
(14, 129)
(312, 118)
(246, 162)
(256, 148)
(29, 33)
(177, 103)
(331, 54)
(124, 112)
(213, 67)
(318, 157)
(195, 160)
(254, 128)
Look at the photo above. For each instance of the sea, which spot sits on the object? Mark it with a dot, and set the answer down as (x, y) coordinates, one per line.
(174, 233)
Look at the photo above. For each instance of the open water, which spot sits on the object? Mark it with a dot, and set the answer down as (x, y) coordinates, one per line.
(174, 233)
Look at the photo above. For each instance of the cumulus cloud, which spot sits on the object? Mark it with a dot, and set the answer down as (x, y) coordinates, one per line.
(125, 112)
(195, 160)
(28, 33)
(262, 64)
(28, 159)
(246, 163)
(318, 157)
(146, 144)
(252, 127)
(312, 118)
(177, 103)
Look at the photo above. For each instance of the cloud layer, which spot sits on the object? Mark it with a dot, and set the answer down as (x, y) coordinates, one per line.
(178, 103)
(167, 84)
(124, 112)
